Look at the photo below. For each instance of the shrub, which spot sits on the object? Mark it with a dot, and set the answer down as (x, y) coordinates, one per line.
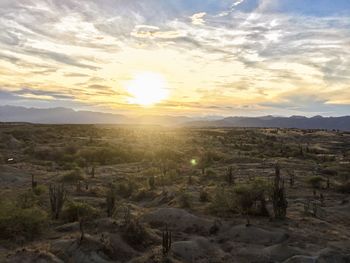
(16, 222)
(135, 233)
(315, 181)
(150, 172)
(27, 200)
(73, 177)
(344, 188)
(220, 202)
(244, 198)
(210, 173)
(184, 200)
(74, 211)
(40, 190)
(203, 196)
(125, 189)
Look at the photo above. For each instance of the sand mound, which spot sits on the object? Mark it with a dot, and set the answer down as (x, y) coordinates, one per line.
(106, 225)
(120, 249)
(177, 219)
(301, 259)
(275, 253)
(90, 250)
(330, 255)
(69, 227)
(10, 174)
(278, 253)
(32, 256)
(198, 249)
(255, 235)
(12, 142)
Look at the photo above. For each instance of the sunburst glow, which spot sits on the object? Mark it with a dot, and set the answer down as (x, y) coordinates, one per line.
(147, 88)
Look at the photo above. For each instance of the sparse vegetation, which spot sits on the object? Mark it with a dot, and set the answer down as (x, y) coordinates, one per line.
(21, 223)
(73, 211)
(120, 193)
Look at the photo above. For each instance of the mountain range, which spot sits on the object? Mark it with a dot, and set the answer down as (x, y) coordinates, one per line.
(70, 116)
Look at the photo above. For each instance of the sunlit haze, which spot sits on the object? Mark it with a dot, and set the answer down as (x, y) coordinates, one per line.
(147, 89)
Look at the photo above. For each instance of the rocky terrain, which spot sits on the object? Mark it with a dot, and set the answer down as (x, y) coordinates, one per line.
(103, 193)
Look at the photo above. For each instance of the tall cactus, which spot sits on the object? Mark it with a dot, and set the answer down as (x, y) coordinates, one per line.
(57, 195)
(110, 201)
(166, 242)
(229, 175)
(127, 215)
(34, 183)
(279, 200)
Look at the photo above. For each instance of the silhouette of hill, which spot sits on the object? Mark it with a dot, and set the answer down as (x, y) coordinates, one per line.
(70, 116)
(300, 122)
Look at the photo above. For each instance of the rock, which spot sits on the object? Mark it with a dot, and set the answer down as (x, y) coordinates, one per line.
(254, 235)
(70, 227)
(120, 249)
(330, 255)
(10, 175)
(178, 219)
(90, 250)
(280, 252)
(32, 256)
(301, 259)
(198, 249)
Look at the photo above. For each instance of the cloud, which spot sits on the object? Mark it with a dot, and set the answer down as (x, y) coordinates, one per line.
(232, 8)
(41, 94)
(198, 18)
(215, 53)
(146, 31)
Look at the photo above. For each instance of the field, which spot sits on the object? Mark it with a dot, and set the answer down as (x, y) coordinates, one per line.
(100, 193)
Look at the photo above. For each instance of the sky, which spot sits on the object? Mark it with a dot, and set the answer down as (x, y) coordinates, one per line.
(177, 57)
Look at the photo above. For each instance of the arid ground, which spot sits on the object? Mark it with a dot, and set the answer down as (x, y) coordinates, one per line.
(99, 193)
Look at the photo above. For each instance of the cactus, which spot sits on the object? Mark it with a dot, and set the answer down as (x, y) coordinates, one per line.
(93, 171)
(127, 215)
(57, 195)
(151, 182)
(34, 183)
(277, 172)
(279, 200)
(189, 180)
(82, 230)
(229, 176)
(166, 242)
(322, 199)
(291, 179)
(328, 182)
(110, 201)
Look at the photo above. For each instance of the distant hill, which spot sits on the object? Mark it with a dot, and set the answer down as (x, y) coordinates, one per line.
(56, 116)
(300, 122)
(70, 116)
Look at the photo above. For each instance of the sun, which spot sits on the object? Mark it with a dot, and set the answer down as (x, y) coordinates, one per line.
(147, 88)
